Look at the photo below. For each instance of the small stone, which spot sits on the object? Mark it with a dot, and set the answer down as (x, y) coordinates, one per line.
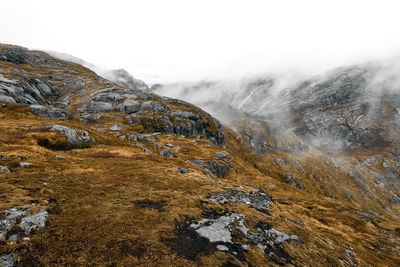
(167, 153)
(60, 157)
(13, 238)
(4, 169)
(299, 222)
(116, 127)
(183, 169)
(23, 164)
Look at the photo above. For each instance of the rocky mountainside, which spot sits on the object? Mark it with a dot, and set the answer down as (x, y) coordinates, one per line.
(356, 106)
(96, 171)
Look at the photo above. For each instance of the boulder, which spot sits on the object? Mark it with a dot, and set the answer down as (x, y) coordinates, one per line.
(44, 112)
(75, 139)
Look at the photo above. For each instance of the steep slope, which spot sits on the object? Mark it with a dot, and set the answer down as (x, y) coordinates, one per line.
(94, 173)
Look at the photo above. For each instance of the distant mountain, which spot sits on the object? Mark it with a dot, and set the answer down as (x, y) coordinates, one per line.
(351, 106)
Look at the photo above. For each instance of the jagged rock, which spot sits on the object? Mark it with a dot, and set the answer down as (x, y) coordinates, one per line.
(44, 112)
(8, 260)
(4, 169)
(217, 167)
(33, 222)
(116, 127)
(258, 198)
(167, 153)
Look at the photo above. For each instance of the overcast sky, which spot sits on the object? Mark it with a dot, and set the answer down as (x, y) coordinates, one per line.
(168, 40)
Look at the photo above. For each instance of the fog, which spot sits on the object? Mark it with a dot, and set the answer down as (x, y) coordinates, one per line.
(178, 41)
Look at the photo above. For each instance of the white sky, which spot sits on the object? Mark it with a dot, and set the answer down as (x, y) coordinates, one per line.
(171, 40)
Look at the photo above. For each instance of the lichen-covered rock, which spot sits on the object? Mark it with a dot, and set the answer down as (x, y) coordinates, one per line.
(11, 216)
(75, 137)
(33, 222)
(218, 230)
(229, 232)
(219, 168)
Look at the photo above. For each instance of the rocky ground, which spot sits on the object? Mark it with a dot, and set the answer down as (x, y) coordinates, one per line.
(96, 173)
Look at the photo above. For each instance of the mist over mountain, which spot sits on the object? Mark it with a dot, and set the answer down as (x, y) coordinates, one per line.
(341, 107)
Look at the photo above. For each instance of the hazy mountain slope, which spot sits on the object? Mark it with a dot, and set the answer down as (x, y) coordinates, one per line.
(95, 173)
(351, 107)
(120, 76)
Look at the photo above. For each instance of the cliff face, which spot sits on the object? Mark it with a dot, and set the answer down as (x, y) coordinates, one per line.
(94, 172)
